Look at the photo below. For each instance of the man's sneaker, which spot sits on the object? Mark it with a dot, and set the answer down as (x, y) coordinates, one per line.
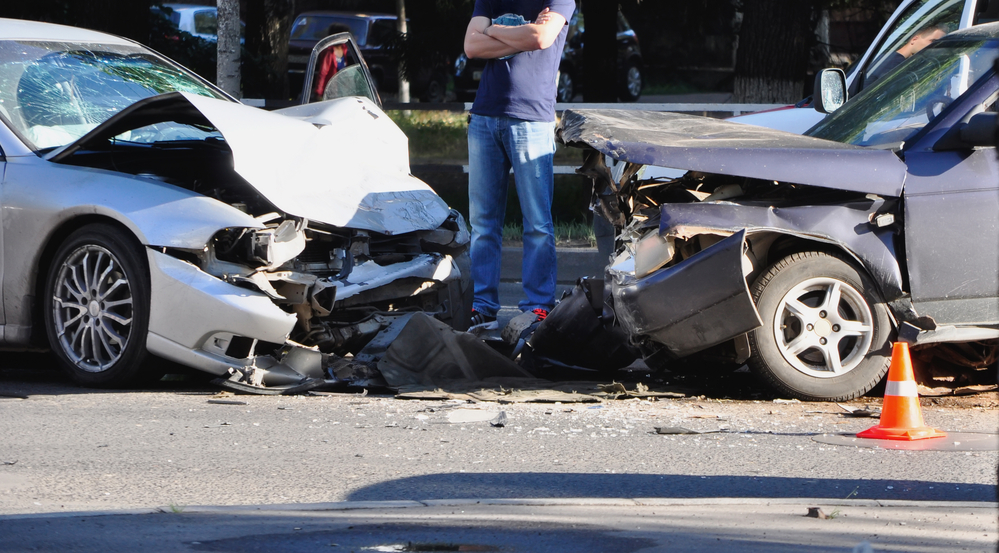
(540, 315)
(481, 321)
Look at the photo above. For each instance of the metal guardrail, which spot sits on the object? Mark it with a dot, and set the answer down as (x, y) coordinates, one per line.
(734, 109)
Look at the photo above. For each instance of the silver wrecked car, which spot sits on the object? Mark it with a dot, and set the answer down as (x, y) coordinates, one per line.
(146, 213)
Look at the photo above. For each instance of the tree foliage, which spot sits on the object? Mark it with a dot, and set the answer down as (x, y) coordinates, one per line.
(127, 18)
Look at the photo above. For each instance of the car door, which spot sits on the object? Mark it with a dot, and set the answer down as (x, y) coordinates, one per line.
(952, 224)
(327, 79)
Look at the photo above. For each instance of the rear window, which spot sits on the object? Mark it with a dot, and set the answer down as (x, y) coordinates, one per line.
(317, 27)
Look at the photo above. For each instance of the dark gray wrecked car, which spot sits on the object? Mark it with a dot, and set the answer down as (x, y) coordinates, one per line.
(807, 255)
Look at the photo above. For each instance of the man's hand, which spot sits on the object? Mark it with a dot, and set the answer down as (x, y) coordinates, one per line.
(534, 36)
(479, 45)
(484, 40)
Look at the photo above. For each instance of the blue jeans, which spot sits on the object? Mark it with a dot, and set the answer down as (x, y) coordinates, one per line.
(495, 144)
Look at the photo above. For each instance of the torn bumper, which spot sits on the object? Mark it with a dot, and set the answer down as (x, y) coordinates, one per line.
(194, 316)
(692, 305)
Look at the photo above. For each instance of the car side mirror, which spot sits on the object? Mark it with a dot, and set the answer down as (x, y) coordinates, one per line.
(980, 130)
(830, 90)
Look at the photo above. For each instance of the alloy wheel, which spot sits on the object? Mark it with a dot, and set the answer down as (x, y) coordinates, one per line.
(92, 308)
(823, 327)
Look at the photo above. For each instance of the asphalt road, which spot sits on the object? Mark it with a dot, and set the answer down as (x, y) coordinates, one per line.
(179, 446)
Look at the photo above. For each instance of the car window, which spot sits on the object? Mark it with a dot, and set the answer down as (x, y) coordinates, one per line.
(900, 104)
(205, 22)
(337, 70)
(316, 27)
(382, 32)
(945, 14)
(52, 93)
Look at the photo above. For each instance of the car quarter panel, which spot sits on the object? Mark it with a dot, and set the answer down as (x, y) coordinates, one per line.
(39, 197)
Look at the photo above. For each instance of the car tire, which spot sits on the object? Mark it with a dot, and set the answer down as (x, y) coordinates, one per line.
(806, 350)
(96, 306)
(631, 82)
(566, 90)
(436, 91)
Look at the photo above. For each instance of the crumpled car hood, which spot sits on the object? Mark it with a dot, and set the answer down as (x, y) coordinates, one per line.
(709, 145)
(342, 162)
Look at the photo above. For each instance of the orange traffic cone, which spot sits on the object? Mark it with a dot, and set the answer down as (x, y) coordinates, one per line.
(900, 415)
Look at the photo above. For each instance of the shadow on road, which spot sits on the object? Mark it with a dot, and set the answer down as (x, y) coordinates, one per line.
(567, 485)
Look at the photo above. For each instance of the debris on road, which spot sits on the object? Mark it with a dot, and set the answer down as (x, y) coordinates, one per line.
(499, 421)
(866, 411)
(816, 512)
(462, 416)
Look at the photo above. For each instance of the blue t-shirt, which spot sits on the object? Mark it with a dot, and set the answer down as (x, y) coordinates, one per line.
(523, 86)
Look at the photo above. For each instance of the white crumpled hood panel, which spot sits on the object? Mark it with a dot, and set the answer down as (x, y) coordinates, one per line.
(342, 162)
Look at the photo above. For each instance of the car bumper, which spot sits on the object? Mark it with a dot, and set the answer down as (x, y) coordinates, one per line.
(194, 316)
(692, 305)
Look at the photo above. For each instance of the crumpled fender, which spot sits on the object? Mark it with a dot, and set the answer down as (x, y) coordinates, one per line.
(846, 225)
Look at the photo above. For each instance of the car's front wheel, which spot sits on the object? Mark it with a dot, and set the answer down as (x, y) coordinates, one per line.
(96, 303)
(826, 335)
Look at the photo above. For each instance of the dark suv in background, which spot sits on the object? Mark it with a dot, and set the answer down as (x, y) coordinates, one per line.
(570, 78)
(373, 33)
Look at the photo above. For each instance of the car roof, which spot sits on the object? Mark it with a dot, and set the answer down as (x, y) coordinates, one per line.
(985, 30)
(355, 15)
(184, 7)
(19, 29)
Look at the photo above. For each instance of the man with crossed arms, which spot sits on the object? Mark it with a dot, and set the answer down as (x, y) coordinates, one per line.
(512, 126)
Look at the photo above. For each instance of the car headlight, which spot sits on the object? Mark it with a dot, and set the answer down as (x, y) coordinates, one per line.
(460, 63)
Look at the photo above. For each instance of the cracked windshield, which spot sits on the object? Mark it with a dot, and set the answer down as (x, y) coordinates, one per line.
(54, 93)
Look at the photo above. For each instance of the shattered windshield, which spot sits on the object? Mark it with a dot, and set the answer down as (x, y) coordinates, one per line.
(53, 93)
(906, 99)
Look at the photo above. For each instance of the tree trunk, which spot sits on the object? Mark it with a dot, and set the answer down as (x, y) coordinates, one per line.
(228, 75)
(600, 51)
(268, 28)
(772, 58)
(401, 26)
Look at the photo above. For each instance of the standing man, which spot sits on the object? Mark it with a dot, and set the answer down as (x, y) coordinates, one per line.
(921, 39)
(513, 125)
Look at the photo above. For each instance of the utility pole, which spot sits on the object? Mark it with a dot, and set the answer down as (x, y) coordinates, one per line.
(228, 76)
(400, 8)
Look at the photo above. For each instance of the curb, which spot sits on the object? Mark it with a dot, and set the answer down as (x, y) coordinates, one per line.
(526, 502)
(572, 264)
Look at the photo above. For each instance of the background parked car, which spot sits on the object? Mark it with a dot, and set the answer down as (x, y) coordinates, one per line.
(570, 78)
(374, 33)
(199, 21)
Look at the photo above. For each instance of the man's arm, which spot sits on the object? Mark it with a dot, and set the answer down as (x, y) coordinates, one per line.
(478, 45)
(534, 36)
